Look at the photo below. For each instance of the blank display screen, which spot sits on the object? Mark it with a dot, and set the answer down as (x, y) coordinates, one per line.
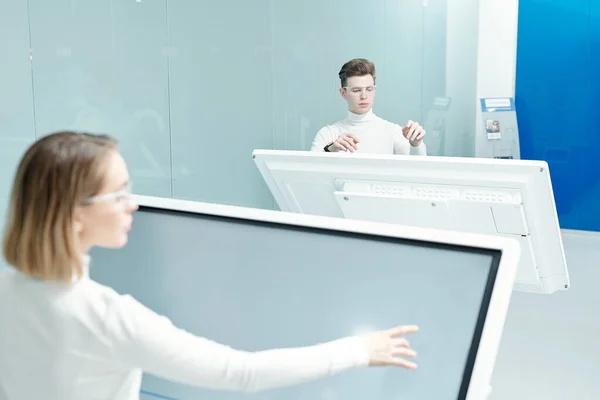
(257, 286)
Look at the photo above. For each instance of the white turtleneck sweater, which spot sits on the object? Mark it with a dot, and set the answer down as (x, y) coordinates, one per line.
(83, 340)
(376, 135)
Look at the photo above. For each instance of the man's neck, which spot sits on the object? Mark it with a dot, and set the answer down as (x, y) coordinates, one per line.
(354, 117)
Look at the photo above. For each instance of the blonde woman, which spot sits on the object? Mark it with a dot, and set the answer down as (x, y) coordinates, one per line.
(65, 337)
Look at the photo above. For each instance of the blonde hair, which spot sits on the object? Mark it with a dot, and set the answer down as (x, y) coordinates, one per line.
(56, 174)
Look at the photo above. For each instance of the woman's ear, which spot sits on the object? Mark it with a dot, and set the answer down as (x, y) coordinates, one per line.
(78, 220)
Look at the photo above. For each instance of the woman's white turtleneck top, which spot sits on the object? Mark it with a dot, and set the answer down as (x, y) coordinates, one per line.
(82, 340)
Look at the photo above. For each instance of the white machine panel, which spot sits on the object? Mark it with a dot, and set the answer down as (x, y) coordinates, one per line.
(511, 198)
(260, 279)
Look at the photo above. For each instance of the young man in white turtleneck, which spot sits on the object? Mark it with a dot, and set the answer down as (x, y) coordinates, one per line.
(362, 131)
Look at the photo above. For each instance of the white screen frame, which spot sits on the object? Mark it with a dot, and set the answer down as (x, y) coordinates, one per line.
(543, 268)
(499, 298)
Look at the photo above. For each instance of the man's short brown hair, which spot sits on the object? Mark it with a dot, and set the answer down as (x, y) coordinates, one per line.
(356, 67)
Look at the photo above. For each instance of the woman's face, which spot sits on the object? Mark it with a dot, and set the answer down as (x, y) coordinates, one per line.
(107, 217)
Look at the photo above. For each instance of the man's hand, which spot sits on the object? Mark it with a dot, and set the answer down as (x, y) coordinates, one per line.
(345, 142)
(414, 133)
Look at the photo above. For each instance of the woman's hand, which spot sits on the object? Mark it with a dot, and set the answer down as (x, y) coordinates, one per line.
(387, 347)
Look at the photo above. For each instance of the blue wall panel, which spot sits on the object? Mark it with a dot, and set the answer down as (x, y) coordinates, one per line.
(556, 96)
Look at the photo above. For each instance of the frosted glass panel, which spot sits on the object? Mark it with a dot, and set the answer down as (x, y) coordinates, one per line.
(101, 66)
(305, 67)
(435, 116)
(462, 32)
(16, 97)
(221, 102)
(257, 286)
(192, 87)
(434, 52)
(400, 75)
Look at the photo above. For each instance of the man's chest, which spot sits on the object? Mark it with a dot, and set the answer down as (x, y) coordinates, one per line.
(372, 139)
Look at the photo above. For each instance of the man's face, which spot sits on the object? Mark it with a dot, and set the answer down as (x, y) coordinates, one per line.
(359, 93)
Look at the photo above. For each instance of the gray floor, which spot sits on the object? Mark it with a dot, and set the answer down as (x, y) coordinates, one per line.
(551, 344)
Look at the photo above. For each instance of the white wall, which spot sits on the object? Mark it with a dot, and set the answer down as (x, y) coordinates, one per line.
(481, 62)
(550, 348)
(496, 61)
(497, 47)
